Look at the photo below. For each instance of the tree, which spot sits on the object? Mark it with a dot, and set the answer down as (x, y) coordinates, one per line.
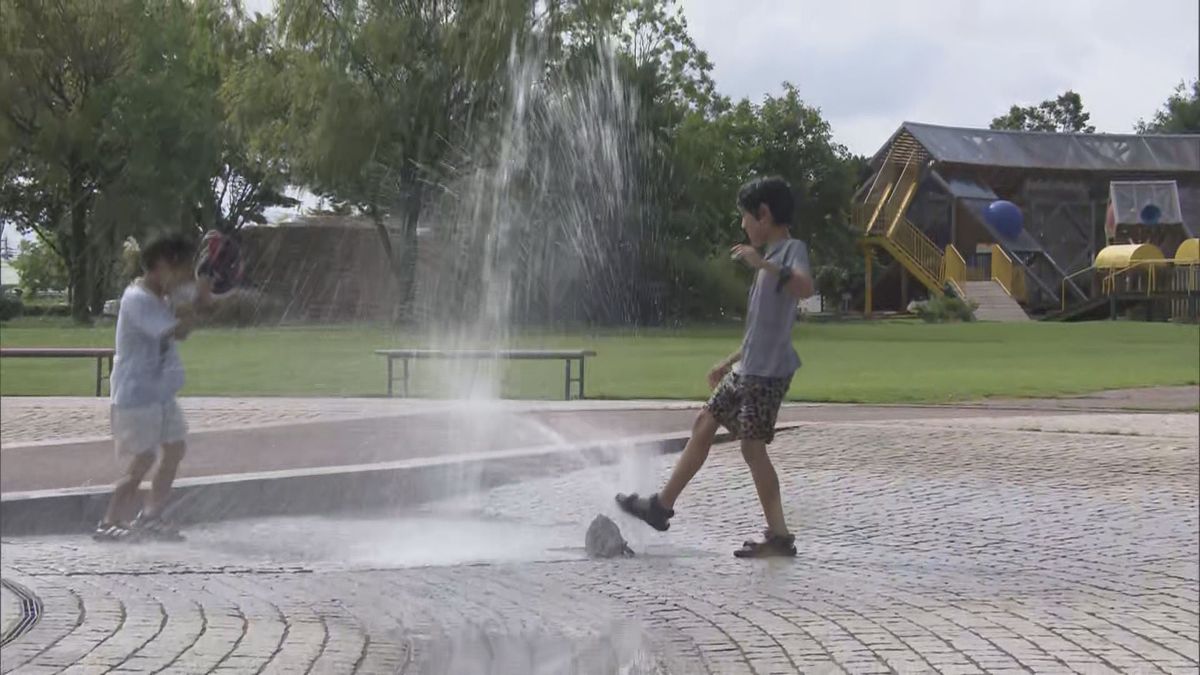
(380, 92)
(40, 267)
(1064, 114)
(104, 128)
(1180, 114)
(248, 177)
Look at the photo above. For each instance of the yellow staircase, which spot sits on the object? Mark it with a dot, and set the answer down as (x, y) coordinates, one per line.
(880, 217)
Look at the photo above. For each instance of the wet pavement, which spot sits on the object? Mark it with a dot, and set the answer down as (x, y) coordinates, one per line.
(1047, 543)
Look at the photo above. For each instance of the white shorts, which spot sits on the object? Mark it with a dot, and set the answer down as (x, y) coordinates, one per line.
(146, 428)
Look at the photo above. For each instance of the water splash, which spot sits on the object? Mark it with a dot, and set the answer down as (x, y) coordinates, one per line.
(542, 228)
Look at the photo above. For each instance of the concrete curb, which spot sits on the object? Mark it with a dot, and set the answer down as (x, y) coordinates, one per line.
(330, 489)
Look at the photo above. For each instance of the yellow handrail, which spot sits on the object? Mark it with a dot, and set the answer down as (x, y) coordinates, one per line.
(955, 266)
(1010, 277)
(1063, 291)
(894, 211)
(1002, 268)
(877, 208)
(1109, 282)
(913, 242)
(1155, 282)
(1020, 291)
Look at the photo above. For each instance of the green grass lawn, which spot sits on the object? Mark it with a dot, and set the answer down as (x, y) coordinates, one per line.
(861, 362)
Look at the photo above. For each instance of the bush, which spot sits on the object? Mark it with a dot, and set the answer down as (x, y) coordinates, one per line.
(41, 309)
(40, 267)
(10, 307)
(946, 309)
(705, 288)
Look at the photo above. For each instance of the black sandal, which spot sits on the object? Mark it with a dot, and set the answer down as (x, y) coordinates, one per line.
(111, 532)
(773, 546)
(647, 510)
(153, 527)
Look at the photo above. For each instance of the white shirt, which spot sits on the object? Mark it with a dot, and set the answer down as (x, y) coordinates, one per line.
(147, 368)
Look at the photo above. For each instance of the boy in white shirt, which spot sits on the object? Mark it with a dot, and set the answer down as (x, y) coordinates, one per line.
(147, 423)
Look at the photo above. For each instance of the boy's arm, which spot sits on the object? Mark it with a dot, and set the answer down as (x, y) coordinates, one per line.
(722, 369)
(731, 360)
(793, 275)
(797, 280)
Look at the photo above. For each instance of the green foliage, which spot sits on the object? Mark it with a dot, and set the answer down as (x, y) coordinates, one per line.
(705, 287)
(1064, 114)
(106, 127)
(834, 281)
(1180, 114)
(41, 268)
(133, 115)
(10, 307)
(946, 309)
(782, 136)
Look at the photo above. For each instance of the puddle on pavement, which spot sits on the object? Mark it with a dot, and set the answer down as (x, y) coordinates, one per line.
(409, 540)
(398, 541)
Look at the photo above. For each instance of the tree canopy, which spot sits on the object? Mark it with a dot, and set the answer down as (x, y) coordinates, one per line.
(123, 117)
(1180, 114)
(1064, 114)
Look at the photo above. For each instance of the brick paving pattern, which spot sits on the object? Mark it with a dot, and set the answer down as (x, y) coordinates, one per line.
(925, 547)
(28, 420)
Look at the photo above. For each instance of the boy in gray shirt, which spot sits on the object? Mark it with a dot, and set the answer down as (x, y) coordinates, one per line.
(750, 384)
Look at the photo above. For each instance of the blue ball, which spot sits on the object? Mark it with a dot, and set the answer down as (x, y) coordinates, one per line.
(1005, 217)
(1150, 214)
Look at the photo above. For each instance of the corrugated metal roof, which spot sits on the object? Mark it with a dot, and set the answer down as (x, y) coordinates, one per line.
(1124, 153)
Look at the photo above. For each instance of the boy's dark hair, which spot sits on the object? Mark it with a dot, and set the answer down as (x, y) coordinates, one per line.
(772, 191)
(175, 249)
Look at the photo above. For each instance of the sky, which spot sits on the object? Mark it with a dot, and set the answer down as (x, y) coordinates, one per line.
(872, 64)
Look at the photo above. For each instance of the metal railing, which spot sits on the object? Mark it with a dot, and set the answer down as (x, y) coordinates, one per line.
(1143, 276)
(913, 242)
(1010, 277)
(1132, 279)
(954, 266)
(906, 187)
(1019, 288)
(1063, 291)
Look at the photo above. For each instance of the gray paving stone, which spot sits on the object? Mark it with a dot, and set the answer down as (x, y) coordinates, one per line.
(923, 548)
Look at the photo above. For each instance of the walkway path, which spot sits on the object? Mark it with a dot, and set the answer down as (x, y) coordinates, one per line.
(948, 546)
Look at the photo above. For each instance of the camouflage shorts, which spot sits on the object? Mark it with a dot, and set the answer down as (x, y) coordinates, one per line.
(748, 405)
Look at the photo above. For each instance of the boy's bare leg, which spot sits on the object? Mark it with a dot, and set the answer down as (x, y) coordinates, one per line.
(704, 430)
(164, 477)
(766, 482)
(126, 490)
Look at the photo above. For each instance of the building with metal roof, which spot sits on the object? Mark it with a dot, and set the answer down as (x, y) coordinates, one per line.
(922, 210)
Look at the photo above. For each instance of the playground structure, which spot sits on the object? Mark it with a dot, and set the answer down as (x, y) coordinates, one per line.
(924, 213)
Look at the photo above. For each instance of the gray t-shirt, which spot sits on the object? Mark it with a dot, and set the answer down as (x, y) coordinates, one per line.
(147, 368)
(767, 348)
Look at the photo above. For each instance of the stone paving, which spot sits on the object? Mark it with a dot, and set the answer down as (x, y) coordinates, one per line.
(59, 419)
(925, 547)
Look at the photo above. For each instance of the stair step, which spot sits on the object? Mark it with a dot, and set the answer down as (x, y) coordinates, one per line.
(994, 304)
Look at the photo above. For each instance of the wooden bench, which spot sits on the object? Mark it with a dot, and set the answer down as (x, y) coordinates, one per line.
(567, 355)
(98, 353)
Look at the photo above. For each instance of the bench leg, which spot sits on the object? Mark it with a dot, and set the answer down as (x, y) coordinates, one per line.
(405, 378)
(581, 360)
(99, 375)
(390, 380)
